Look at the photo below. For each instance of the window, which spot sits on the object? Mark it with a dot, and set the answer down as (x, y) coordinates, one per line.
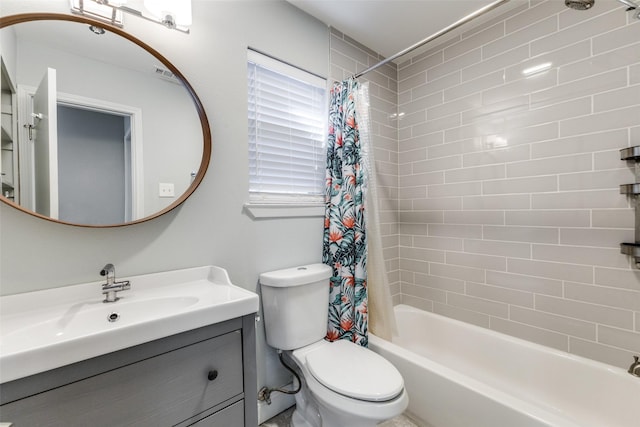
(287, 132)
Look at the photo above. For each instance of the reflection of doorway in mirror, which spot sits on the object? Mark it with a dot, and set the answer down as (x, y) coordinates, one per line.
(84, 127)
(93, 166)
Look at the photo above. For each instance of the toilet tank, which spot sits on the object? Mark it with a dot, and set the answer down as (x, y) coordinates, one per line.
(295, 305)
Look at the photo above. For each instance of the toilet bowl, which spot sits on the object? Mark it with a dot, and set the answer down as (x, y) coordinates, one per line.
(342, 384)
(351, 385)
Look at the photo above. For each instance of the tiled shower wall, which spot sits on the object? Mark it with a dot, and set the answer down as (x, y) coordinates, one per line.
(510, 215)
(499, 191)
(348, 57)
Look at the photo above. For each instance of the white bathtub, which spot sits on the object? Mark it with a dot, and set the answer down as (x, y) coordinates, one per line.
(461, 375)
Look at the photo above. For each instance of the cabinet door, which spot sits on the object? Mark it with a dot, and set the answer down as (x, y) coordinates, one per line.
(46, 145)
(160, 391)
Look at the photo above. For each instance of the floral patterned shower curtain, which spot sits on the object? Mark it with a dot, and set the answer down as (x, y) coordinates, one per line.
(345, 243)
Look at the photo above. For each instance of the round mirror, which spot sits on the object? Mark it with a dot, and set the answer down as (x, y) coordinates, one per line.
(98, 128)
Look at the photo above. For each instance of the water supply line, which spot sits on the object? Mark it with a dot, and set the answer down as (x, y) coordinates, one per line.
(264, 394)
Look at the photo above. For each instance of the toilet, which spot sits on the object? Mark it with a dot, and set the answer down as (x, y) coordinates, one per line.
(342, 384)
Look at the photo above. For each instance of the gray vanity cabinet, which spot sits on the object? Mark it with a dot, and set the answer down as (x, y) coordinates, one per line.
(201, 377)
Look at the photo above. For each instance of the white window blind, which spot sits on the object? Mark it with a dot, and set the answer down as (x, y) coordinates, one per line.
(287, 131)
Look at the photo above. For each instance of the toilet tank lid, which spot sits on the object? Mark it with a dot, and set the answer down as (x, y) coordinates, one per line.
(296, 276)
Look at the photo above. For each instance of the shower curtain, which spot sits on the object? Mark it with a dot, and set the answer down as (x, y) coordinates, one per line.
(359, 293)
(382, 321)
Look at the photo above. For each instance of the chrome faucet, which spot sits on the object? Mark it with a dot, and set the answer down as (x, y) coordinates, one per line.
(634, 369)
(111, 287)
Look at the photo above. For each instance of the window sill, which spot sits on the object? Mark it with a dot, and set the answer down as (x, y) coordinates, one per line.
(283, 210)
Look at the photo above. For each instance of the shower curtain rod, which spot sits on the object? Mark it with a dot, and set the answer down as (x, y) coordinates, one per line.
(434, 36)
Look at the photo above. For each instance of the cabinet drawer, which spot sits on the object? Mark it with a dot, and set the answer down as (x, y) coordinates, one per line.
(159, 391)
(231, 416)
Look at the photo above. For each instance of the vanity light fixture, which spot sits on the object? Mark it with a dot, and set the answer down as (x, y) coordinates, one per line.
(173, 14)
(97, 10)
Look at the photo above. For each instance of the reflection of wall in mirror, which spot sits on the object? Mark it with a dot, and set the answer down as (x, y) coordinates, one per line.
(169, 116)
(8, 51)
(95, 191)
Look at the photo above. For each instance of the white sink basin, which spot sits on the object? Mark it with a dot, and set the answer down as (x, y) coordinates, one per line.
(47, 329)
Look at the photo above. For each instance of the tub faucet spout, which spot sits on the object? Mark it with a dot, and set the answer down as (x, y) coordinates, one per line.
(111, 287)
(634, 369)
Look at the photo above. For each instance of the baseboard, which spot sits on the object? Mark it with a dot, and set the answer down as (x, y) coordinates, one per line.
(280, 402)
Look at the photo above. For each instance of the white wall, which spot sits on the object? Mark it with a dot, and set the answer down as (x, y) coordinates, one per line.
(8, 51)
(210, 227)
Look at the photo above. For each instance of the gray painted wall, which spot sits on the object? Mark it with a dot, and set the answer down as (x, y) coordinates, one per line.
(210, 227)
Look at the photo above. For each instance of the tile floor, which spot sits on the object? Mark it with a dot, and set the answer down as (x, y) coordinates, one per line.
(284, 420)
(399, 421)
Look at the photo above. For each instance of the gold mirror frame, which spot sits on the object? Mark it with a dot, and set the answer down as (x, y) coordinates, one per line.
(6, 21)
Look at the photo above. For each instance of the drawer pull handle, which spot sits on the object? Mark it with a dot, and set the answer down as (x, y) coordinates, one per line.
(212, 375)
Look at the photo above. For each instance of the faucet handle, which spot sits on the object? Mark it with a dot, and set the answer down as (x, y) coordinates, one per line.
(123, 285)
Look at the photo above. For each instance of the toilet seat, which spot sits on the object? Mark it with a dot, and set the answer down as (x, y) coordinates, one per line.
(354, 371)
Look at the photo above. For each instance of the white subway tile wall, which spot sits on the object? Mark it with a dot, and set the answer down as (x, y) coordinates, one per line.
(347, 58)
(509, 214)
